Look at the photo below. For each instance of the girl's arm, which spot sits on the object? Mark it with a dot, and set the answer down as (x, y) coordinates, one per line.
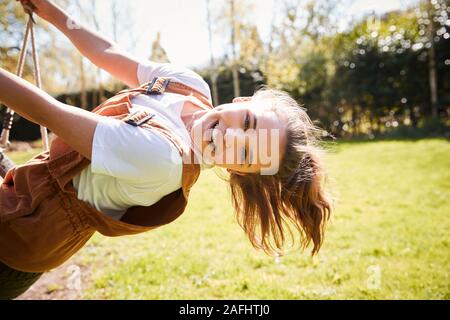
(103, 53)
(74, 125)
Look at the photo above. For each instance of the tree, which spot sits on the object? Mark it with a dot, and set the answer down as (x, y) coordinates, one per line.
(158, 53)
(233, 44)
(213, 67)
(12, 25)
(252, 51)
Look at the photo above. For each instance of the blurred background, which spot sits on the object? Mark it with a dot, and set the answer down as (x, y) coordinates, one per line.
(362, 68)
(375, 74)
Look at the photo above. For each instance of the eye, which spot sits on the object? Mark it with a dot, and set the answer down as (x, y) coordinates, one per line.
(247, 122)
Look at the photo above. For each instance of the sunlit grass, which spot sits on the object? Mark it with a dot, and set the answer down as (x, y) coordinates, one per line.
(22, 156)
(388, 239)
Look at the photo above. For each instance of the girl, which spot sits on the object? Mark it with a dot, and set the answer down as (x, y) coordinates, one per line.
(128, 166)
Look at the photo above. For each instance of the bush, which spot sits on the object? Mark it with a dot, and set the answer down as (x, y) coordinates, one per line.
(428, 127)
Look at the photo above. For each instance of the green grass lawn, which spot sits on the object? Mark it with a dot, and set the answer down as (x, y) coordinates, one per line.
(388, 238)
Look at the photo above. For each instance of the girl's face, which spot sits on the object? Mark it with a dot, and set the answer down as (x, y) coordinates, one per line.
(243, 136)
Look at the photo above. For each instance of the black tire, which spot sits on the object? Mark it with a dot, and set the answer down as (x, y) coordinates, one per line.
(13, 282)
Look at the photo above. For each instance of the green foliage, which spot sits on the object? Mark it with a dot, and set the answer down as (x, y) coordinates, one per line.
(428, 127)
(369, 79)
(249, 80)
(383, 71)
(12, 26)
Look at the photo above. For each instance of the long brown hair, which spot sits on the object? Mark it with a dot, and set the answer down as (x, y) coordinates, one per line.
(267, 206)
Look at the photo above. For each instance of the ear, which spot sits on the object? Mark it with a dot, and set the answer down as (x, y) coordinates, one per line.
(241, 99)
(236, 172)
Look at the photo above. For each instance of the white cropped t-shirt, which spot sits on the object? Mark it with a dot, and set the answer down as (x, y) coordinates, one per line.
(138, 166)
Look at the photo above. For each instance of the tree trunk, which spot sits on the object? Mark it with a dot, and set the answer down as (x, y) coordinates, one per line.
(432, 65)
(270, 43)
(354, 129)
(100, 96)
(101, 90)
(215, 90)
(234, 70)
(378, 125)
(83, 94)
(371, 122)
(412, 116)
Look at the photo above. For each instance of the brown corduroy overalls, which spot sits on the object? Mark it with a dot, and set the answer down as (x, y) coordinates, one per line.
(42, 223)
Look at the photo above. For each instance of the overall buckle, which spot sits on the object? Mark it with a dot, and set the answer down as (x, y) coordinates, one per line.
(157, 86)
(138, 118)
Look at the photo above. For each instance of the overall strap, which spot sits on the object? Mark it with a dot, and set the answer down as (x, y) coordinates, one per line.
(160, 85)
(145, 119)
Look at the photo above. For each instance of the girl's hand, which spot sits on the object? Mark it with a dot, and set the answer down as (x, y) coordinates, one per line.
(43, 8)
